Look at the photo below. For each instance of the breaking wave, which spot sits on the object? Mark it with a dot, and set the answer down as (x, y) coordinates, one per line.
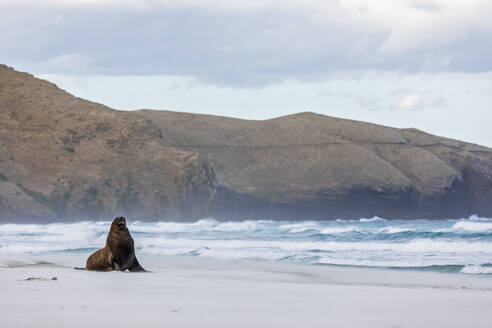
(477, 269)
(448, 245)
(472, 226)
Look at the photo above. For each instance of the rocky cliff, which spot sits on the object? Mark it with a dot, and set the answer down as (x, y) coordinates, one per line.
(65, 158)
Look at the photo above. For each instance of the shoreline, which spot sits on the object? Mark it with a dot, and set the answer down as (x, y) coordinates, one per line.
(198, 292)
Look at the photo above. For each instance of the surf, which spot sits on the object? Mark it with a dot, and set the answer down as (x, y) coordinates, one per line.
(462, 246)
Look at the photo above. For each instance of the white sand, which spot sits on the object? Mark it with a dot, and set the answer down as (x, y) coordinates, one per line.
(209, 293)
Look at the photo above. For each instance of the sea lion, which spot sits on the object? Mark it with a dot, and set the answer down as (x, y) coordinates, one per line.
(119, 252)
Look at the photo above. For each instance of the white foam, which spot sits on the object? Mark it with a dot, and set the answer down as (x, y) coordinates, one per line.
(475, 217)
(472, 226)
(337, 230)
(238, 226)
(201, 225)
(417, 246)
(476, 269)
(391, 230)
(376, 218)
(266, 240)
(300, 227)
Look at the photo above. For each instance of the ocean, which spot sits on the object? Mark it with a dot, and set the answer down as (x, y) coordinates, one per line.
(460, 246)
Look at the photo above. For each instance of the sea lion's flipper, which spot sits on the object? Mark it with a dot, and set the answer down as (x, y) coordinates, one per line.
(136, 267)
(78, 268)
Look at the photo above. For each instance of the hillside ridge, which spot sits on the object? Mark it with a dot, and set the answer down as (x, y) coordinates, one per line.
(66, 158)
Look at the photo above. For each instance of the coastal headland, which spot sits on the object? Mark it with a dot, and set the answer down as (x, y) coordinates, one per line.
(66, 158)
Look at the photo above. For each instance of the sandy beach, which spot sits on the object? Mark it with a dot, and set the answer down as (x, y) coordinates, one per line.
(187, 292)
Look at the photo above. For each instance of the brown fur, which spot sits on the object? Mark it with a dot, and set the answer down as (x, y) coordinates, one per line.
(119, 252)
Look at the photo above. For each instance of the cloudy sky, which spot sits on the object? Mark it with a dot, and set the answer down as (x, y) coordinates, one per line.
(403, 63)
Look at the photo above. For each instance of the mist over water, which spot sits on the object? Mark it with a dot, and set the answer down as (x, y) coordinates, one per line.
(442, 245)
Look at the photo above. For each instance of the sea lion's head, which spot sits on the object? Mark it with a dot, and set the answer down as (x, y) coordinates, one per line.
(119, 224)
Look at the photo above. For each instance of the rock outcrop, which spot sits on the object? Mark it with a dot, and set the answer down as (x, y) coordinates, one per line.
(65, 158)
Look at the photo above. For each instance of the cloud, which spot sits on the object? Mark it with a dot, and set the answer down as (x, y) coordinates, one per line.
(408, 102)
(72, 63)
(440, 103)
(246, 43)
(370, 103)
(407, 99)
(427, 5)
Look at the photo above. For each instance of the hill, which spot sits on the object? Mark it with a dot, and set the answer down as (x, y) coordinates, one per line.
(65, 158)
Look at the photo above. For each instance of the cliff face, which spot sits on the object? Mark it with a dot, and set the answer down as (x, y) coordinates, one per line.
(62, 157)
(309, 165)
